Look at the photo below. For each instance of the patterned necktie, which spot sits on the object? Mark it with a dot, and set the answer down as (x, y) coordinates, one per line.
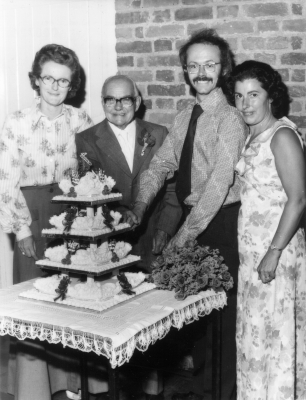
(183, 183)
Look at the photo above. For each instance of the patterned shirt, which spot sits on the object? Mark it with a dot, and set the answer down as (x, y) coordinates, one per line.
(219, 139)
(34, 151)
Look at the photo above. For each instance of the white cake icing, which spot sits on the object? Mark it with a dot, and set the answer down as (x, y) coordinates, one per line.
(85, 223)
(88, 233)
(92, 267)
(96, 259)
(91, 295)
(97, 296)
(89, 185)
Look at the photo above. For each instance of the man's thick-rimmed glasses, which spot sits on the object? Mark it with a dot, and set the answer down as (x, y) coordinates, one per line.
(127, 101)
(193, 67)
(49, 80)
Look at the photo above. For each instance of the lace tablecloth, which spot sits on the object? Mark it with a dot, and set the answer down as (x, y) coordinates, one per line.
(114, 333)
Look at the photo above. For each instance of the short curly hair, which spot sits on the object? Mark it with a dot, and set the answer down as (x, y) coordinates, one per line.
(210, 37)
(61, 55)
(271, 82)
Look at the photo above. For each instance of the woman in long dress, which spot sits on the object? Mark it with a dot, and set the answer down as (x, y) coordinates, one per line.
(37, 147)
(271, 318)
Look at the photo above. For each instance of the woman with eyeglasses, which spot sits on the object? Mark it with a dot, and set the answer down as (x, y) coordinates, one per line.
(37, 147)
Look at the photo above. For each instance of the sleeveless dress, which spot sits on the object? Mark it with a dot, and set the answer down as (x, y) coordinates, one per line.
(271, 318)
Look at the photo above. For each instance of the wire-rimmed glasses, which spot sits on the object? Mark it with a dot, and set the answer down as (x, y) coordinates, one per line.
(193, 67)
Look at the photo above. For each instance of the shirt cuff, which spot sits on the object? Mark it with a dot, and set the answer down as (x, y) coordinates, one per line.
(183, 235)
(24, 232)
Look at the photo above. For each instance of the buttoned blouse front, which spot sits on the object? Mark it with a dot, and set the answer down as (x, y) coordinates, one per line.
(34, 151)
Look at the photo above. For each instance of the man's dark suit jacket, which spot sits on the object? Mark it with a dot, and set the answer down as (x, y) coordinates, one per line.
(104, 151)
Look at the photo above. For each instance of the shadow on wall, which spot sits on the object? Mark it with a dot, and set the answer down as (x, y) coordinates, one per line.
(141, 110)
(80, 96)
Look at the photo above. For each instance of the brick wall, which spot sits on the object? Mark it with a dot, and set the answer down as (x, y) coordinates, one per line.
(149, 33)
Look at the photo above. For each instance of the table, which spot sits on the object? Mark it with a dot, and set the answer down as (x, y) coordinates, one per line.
(114, 333)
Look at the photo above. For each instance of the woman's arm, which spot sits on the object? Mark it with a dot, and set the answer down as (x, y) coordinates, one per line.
(290, 165)
(14, 213)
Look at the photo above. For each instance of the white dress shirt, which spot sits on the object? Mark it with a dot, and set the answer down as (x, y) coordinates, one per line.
(126, 139)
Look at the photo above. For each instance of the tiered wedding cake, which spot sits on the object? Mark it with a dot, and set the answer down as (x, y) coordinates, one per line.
(86, 250)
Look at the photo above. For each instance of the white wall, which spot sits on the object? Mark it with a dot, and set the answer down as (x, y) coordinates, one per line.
(85, 26)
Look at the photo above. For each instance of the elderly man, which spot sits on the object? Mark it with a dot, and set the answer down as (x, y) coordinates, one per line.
(204, 145)
(123, 146)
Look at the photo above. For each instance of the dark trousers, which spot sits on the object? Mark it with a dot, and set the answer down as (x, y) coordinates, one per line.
(220, 234)
(38, 199)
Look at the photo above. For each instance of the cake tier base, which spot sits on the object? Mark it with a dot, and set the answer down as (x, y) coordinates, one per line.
(86, 234)
(93, 200)
(84, 305)
(93, 270)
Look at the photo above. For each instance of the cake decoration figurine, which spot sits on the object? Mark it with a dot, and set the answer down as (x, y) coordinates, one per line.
(125, 284)
(62, 288)
(112, 246)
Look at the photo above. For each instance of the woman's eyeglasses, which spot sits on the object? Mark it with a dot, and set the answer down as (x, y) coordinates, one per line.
(49, 80)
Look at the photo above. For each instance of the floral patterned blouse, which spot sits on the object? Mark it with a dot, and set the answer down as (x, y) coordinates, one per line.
(34, 151)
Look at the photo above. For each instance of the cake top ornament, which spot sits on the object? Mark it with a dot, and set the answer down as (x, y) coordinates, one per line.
(83, 157)
(85, 181)
(84, 165)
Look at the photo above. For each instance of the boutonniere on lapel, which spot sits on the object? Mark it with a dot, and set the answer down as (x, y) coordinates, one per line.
(146, 140)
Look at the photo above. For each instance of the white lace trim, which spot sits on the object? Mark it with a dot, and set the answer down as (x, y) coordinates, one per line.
(102, 345)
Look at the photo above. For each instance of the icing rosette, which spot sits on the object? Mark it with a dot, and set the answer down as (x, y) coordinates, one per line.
(56, 253)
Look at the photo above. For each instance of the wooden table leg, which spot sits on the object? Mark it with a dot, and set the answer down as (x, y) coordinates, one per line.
(113, 382)
(216, 354)
(84, 376)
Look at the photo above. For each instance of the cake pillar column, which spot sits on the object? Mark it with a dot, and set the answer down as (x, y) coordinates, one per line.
(90, 211)
(90, 278)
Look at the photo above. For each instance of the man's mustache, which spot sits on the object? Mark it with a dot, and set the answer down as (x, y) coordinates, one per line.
(202, 79)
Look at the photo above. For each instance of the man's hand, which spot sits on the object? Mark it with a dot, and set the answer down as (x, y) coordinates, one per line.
(131, 218)
(160, 240)
(135, 217)
(27, 247)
